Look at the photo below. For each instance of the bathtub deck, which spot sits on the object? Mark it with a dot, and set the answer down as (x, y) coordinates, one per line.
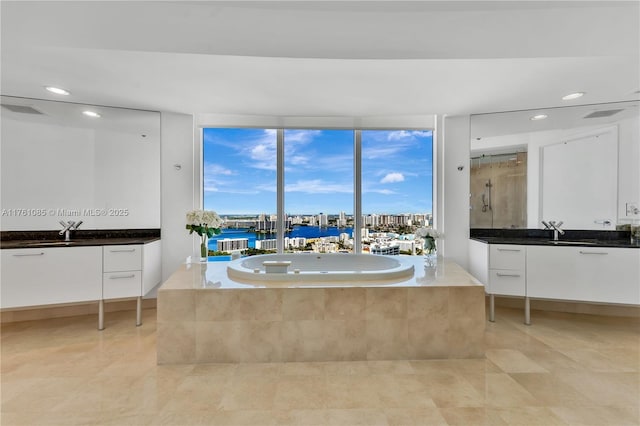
(205, 317)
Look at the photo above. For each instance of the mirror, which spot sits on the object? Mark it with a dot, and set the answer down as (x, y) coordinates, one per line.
(579, 165)
(60, 164)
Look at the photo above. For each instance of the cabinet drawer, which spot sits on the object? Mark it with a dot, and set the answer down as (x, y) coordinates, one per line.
(507, 256)
(121, 284)
(507, 281)
(122, 258)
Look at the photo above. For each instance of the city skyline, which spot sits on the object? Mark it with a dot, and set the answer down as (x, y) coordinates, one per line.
(240, 171)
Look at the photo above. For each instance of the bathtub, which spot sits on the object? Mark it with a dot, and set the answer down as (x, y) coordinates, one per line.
(314, 267)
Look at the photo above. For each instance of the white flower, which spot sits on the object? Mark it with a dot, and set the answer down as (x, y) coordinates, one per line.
(207, 218)
(427, 232)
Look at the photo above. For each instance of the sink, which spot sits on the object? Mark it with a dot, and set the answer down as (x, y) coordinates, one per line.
(573, 243)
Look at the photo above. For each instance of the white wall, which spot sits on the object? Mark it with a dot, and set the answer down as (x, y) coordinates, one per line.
(177, 189)
(453, 187)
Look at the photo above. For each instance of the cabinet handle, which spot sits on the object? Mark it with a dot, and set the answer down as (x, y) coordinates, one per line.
(593, 252)
(29, 254)
(121, 277)
(507, 275)
(122, 251)
(504, 249)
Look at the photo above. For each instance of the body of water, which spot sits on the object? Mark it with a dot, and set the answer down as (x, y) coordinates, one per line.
(297, 231)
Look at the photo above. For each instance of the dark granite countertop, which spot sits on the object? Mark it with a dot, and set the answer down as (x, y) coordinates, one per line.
(80, 238)
(540, 237)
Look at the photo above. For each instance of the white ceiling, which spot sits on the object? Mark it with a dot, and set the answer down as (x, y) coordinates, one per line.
(320, 58)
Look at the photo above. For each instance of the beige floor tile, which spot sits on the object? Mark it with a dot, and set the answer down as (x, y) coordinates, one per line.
(612, 389)
(414, 417)
(530, 416)
(301, 392)
(513, 361)
(503, 391)
(472, 416)
(585, 371)
(596, 416)
(198, 393)
(302, 417)
(451, 390)
(594, 360)
(550, 390)
(395, 391)
(348, 392)
(356, 417)
(249, 393)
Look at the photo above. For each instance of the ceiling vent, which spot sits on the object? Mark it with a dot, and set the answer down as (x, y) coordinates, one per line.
(21, 109)
(605, 113)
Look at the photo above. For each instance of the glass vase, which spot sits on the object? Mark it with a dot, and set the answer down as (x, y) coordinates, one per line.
(204, 250)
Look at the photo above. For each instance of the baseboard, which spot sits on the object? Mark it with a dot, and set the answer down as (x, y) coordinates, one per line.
(571, 307)
(70, 310)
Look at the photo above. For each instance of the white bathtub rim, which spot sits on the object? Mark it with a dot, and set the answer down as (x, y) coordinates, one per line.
(238, 272)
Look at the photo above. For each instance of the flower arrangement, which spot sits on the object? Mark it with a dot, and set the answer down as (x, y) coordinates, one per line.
(205, 223)
(429, 235)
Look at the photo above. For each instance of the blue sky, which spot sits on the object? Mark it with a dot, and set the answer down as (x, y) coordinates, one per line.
(240, 171)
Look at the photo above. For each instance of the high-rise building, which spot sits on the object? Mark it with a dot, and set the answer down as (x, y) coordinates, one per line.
(230, 244)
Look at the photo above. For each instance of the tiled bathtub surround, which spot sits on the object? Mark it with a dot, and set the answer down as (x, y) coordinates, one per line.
(442, 316)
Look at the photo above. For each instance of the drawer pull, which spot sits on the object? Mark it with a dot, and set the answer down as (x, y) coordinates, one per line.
(121, 277)
(123, 251)
(505, 249)
(507, 275)
(29, 254)
(593, 252)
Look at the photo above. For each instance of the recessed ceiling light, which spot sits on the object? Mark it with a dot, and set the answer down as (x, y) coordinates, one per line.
(91, 114)
(57, 90)
(572, 96)
(538, 117)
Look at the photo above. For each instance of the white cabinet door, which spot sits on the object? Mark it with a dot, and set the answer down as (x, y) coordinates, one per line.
(507, 282)
(507, 256)
(122, 258)
(37, 276)
(551, 273)
(609, 274)
(121, 284)
(589, 274)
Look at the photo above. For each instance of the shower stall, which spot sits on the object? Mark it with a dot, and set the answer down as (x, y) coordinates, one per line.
(499, 191)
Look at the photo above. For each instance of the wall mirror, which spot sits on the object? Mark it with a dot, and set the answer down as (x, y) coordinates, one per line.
(579, 165)
(58, 163)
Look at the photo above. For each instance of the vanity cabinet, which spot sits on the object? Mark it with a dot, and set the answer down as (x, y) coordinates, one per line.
(500, 267)
(130, 270)
(122, 275)
(44, 276)
(48, 276)
(507, 270)
(589, 274)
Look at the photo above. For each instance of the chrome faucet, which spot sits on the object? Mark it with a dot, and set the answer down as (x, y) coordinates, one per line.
(552, 225)
(67, 227)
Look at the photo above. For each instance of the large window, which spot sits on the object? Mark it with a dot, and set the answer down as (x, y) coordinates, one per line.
(318, 171)
(320, 188)
(239, 182)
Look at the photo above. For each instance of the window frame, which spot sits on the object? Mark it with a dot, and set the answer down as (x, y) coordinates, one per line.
(357, 173)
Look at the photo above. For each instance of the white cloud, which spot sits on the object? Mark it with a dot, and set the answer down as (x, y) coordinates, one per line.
(217, 169)
(300, 135)
(318, 186)
(407, 134)
(392, 178)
